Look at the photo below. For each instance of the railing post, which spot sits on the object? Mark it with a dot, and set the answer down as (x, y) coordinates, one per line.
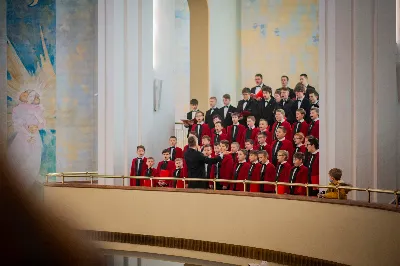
(62, 178)
(151, 182)
(91, 180)
(397, 198)
(215, 184)
(307, 192)
(47, 178)
(184, 183)
(123, 180)
(276, 187)
(369, 195)
(244, 185)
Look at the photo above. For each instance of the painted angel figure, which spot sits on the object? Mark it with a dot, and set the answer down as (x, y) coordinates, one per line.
(25, 150)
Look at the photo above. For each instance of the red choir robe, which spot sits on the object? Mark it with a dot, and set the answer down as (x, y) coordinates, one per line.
(175, 152)
(302, 148)
(250, 134)
(170, 169)
(283, 175)
(254, 175)
(284, 124)
(221, 136)
(240, 172)
(265, 147)
(313, 171)
(298, 175)
(149, 172)
(185, 148)
(300, 127)
(224, 171)
(267, 173)
(238, 134)
(179, 173)
(234, 158)
(268, 134)
(285, 145)
(143, 166)
(313, 129)
(204, 131)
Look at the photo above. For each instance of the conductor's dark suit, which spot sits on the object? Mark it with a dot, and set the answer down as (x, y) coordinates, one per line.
(196, 163)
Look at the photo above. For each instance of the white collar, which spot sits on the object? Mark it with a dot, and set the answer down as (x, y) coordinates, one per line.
(261, 85)
(316, 102)
(218, 133)
(268, 99)
(300, 121)
(300, 145)
(299, 165)
(267, 162)
(265, 144)
(141, 158)
(243, 161)
(301, 99)
(307, 85)
(316, 119)
(200, 123)
(195, 110)
(236, 124)
(283, 162)
(253, 127)
(283, 120)
(282, 139)
(317, 151)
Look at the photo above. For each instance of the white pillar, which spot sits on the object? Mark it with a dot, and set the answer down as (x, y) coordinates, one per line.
(224, 42)
(3, 76)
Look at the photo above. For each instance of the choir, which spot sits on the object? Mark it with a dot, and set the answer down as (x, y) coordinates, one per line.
(267, 137)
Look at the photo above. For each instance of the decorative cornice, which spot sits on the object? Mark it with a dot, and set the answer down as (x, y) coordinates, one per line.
(208, 247)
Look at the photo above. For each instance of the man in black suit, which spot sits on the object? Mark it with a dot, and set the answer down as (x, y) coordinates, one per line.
(285, 82)
(247, 105)
(304, 81)
(267, 106)
(196, 163)
(314, 99)
(211, 112)
(194, 103)
(287, 105)
(226, 111)
(301, 101)
(259, 84)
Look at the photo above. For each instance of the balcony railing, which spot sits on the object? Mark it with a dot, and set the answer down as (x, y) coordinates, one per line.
(94, 176)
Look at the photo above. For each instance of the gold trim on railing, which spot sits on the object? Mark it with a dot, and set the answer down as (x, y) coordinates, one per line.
(93, 175)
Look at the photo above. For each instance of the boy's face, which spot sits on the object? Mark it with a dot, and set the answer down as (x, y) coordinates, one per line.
(258, 80)
(310, 148)
(241, 156)
(216, 119)
(333, 180)
(223, 148)
(303, 80)
(277, 97)
(262, 158)
(250, 122)
(178, 164)
(246, 96)
(285, 94)
(248, 146)
(234, 148)
(166, 156)
(193, 107)
(150, 163)
(263, 125)
(172, 142)
(313, 98)
(284, 82)
(207, 151)
(299, 116)
(226, 101)
(218, 127)
(297, 140)
(217, 149)
(297, 162)
(313, 114)
(235, 119)
(261, 139)
(266, 95)
(278, 116)
(281, 157)
(299, 94)
(199, 117)
(213, 102)
(253, 158)
(205, 141)
(280, 134)
(140, 152)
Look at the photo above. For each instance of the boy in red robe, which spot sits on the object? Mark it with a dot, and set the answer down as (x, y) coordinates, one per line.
(267, 172)
(283, 170)
(254, 172)
(179, 173)
(236, 130)
(251, 131)
(165, 165)
(138, 165)
(262, 143)
(313, 128)
(241, 170)
(263, 126)
(280, 122)
(281, 144)
(149, 172)
(300, 125)
(299, 143)
(249, 146)
(218, 134)
(201, 128)
(235, 147)
(175, 151)
(312, 144)
(298, 174)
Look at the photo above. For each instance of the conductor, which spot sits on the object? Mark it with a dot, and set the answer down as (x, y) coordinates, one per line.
(196, 163)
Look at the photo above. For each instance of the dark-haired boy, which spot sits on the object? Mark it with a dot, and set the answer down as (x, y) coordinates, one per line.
(298, 174)
(165, 165)
(175, 151)
(138, 165)
(247, 106)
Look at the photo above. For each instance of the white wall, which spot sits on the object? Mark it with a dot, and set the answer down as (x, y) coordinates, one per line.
(224, 42)
(126, 115)
(357, 71)
(3, 76)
